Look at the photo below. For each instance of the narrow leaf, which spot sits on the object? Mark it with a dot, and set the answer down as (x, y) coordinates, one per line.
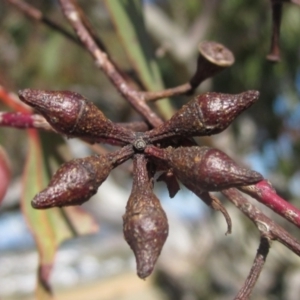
(49, 227)
(129, 22)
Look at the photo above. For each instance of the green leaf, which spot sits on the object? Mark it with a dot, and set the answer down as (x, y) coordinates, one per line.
(49, 227)
(129, 22)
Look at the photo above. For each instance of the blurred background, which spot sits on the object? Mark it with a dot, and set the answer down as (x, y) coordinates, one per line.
(198, 261)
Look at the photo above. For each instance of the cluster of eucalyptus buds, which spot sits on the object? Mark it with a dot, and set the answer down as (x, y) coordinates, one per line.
(201, 169)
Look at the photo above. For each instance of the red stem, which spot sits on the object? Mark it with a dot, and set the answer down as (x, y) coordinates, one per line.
(23, 120)
(265, 193)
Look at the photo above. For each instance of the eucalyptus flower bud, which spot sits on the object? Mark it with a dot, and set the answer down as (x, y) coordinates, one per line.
(145, 222)
(71, 114)
(76, 181)
(210, 169)
(206, 114)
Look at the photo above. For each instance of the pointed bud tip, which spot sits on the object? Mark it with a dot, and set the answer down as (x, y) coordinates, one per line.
(40, 201)
(255, 176)
(252, 95)
(25, 94)
(145, 270)
(38, 99)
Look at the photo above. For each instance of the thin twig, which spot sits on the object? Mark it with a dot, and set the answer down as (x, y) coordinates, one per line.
(265, 225)
(274, 54)
(256, 269)
(266, 194)
(216, 204)
(213, 58)
(74, 16)
(24, 120)
(35, 14)
(27, 120)
(171, 92)
(211, 201)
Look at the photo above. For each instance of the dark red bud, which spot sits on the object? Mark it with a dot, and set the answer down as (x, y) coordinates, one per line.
(145, 223)
(206, 114)
(78, 180)
(71, 114)
(74, 182)
(210, 169)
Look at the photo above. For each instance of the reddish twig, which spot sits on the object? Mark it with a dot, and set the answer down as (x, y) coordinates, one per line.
(24, 120)
(171, 92)
(266, 194)
(27, 120)
(74, 16)
(265, 225)
(256, 269)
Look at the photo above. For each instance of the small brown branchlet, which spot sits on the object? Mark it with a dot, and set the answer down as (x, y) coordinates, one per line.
(274, 53)
(145, 222)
